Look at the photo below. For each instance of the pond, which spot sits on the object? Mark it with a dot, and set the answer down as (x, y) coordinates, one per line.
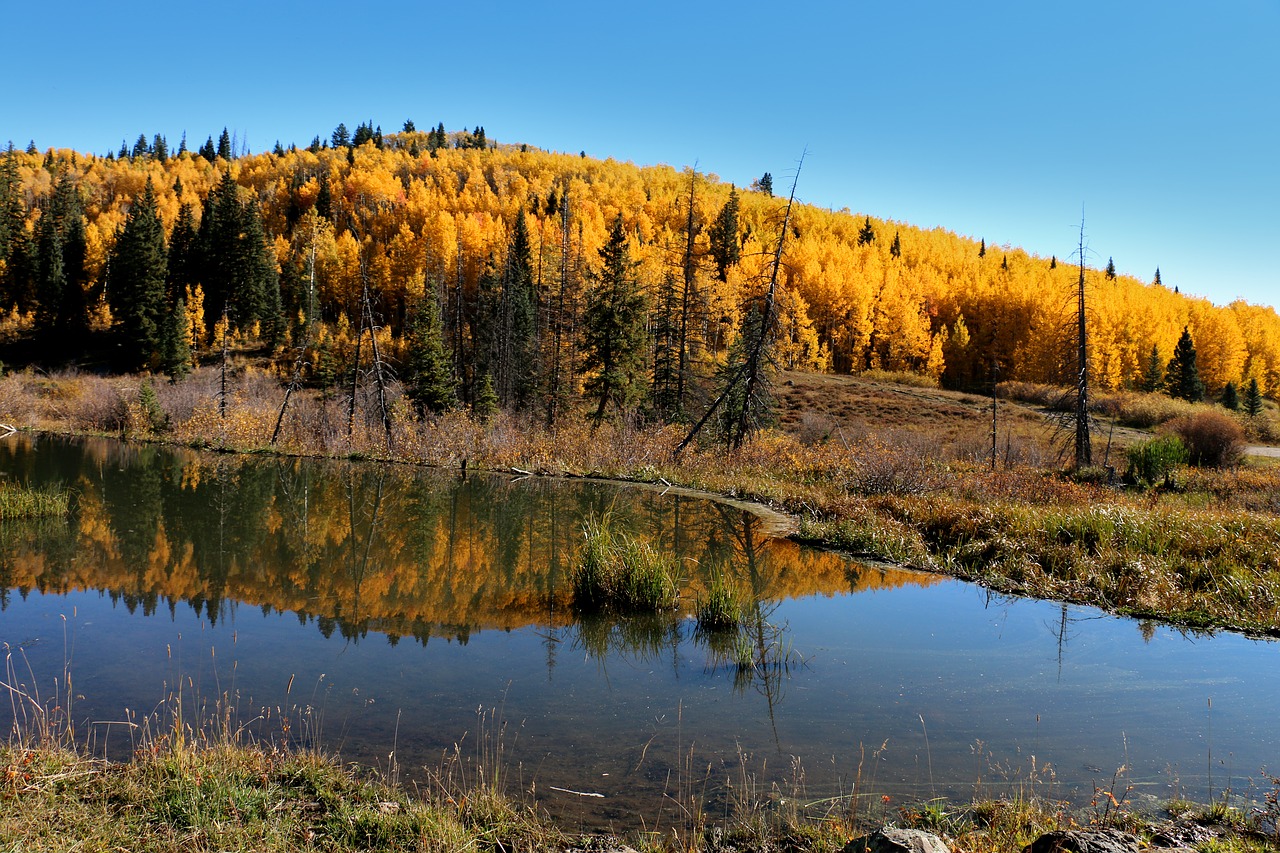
(419, 622)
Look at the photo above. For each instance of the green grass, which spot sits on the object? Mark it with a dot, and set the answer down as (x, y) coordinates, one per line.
(617, 573)
(23, 502)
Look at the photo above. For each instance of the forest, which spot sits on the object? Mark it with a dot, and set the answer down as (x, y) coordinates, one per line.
(490, 274)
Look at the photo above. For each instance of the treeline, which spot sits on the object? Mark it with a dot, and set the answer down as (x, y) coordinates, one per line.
(492, 274)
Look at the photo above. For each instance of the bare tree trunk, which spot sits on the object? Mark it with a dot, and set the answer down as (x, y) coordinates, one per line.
(1084, 449)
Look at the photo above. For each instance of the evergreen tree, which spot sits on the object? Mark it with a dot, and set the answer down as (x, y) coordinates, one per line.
(982, 248)
(725, 248)
(764, 184)
(428, 378)
(1053, 262)
(1111, 269)
(486, 402)
(207, 151)
(1230, 397)
(175, 342)
(184, 254)
(1253, 399)
(160, 148)
(341, 136)
(1153, 371)
(1182, 377)
(1157, 282)
(613, 336)
(364, 133)
(895, 248)
(324, 200)
(236, 267)
(59, 268)
(665, 327)
(409, 126)
(866, 234)
(135, 286)
(516, 351)
(140, 148)
(224, 146)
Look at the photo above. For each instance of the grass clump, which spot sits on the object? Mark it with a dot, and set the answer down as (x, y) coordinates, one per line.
(719, 611)
(1152, 462)
(618, 573)
(24, 502)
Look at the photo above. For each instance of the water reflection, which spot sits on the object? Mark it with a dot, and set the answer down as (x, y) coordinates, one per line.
(374, 548)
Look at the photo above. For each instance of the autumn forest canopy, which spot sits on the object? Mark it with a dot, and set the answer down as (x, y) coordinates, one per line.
(489, 274)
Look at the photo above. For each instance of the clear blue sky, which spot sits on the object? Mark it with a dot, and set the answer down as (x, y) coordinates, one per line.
(1160, 119)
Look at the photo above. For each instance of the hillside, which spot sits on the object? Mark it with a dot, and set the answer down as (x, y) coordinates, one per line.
(507, 240)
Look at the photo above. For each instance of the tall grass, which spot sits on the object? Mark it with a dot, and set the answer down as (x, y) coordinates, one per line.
(25, 502)
(619, 573)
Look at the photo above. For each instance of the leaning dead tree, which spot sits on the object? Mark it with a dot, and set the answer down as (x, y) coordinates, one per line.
(381, 371)
(1084, 449)
(749, 377)
(300, 362)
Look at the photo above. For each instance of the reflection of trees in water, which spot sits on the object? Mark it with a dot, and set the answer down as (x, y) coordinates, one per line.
(360, 548)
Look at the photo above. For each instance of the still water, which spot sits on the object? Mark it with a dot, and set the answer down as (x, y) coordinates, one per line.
(400, 617)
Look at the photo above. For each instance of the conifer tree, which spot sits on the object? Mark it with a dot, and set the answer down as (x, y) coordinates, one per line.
(1157, 282)
(1230, 397)
(428, 378)
(175, 342)
(895, 248)
(136, 282)
(982, 248)
(1153, 371)
(866, 234)
(207, 151)
(1182, 377)
(1111, 269)
(613, 336)
(486, 402)
(224, 146)
(341, 137)
(725, 248)
(1253, 399)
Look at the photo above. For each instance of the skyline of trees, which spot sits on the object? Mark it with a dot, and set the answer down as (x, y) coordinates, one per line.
(505, 241)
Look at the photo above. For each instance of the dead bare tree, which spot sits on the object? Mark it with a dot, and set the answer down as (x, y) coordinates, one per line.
(751, 372)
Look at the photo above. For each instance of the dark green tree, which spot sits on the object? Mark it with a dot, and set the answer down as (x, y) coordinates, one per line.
(614, 338)
(1230, 397)
(1157, 281)
(224, 146)
(428, 375)
(1153, 371)
(1182, 377)
(184, 254)
(175, 342)
(135, 282)
(409, 126)
(486, 402)
(725, 247)
(341, 137)
(866, 234)
(160, 148)
(207, 151)
(1253, 399)
(895, 248)
(982, 248)
(765, 184)
(236, 266)
(60, 274)
(1111, 269)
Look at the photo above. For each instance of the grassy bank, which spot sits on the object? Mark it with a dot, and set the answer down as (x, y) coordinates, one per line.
(889, 470)
(222, 796)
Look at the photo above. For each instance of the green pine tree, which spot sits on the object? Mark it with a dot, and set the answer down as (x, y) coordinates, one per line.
(1230, 397)
(1182, 377)
(175, 342)
(895, 248)
(614, 336)
(866, 234)
(1111, 269)
(428, 379)
(1253, 399)
(725, 247)
(486, 402)
(135, 284)
(1153, 371)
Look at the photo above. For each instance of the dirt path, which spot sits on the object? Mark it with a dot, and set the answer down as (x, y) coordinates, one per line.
(1258, 450)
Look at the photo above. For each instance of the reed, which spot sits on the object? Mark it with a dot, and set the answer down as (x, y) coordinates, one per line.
(18, 501)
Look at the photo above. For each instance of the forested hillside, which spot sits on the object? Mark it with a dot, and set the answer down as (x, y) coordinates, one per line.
(500, 272)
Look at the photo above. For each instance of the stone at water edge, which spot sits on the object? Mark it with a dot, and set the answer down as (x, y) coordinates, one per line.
(889, 839)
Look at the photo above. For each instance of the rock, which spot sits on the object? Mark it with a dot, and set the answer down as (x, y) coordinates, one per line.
(1085, 841)
(891, 840)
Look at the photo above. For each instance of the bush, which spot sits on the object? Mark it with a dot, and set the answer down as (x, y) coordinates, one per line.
(1154, 460)
(1212, 439)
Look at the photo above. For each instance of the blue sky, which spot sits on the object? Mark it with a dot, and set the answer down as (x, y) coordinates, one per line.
(1159, 120)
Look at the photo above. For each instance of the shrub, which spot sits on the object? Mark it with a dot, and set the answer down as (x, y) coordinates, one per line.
(1154, 460)
(1212, 439)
